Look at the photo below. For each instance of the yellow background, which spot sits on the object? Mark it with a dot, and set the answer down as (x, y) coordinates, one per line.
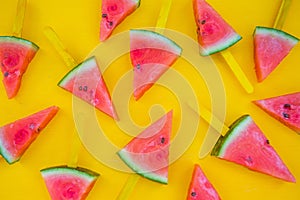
(77, 24)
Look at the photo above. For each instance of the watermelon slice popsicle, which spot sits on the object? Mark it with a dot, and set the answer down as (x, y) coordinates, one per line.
(148, 154)
(245, 144)
(272, 45)
(216, 35)
(113, 12)
(15, 54)
(85, 80)
(16, 137)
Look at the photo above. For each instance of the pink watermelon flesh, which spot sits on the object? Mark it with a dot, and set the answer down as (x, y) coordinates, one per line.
(148, 153)
(285, 108)
(245, 144)
(271, 46)
(86, 82)
(15, 56)
(200, 187)
(65, 183)
(151, 55)
(113, 13)
(17, 136)
(214, 33)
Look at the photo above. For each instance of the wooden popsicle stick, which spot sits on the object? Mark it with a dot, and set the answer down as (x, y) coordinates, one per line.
(212, 137)
(238, 72)
(163, 15)
(75, 148)
(210, 118)
(160, 25)
(70, 62)
(128, 187)
(19, 20)
(281, 15)
(59, 47)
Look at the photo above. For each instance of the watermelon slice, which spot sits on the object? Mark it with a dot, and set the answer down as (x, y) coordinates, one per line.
(148, 153)
(15, 56)
(214, 33)
(86, 82)
(271, 46)
(66, 183)
(113, 13)
(200, 187)
(17, 136)
(285, 108)
(151, 55)
(245, 144)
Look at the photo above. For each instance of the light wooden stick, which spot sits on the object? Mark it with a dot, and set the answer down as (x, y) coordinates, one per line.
(238, 72)
(18, 25)
(281, 15)
(59, 47)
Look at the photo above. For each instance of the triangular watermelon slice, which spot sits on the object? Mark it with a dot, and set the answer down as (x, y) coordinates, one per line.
(17, 136)
(15, 56)
(271, 46)
(245, 144)
(148, 153)
(214, 33)
(200, 187)
(151, 55)
(69, 183)
(86, 82)
(285, 108)
(113, 13)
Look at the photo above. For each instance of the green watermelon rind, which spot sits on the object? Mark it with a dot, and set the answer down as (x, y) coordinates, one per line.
(276, 32)
(221, 145)
(88, 64)
(221, 45)
(20, 41)
(5, 154)
(137, 3)
(87, 174)
(174, 48)
(123, 154)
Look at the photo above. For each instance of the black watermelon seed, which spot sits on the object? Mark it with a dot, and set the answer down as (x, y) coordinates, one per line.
(6, 74)
(111, 23)
(162, 140)
(85, 88)
(287, 106)
(267, 141)
(285, 115)
(80, 88)
(104, 15)
(193, 194)
(203, 22)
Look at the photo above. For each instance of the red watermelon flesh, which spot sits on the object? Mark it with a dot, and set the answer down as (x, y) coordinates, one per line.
(285, 108)
(271, 46)
(148, 153)
(66, 183)
(214, 33)
(200, 187)
(86, 82)
(113, 13)
(245, 144)
(17, 136)
(151, 55)
(15, 56)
